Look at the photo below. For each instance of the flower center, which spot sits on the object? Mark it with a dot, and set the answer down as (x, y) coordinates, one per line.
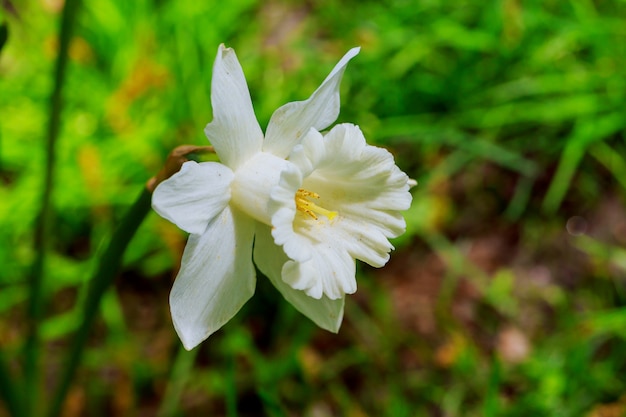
(309, 208)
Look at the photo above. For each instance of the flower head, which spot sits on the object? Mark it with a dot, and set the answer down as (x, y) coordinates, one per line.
(312, 204)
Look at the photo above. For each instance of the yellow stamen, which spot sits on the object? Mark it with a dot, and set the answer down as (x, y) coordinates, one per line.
(309, 208)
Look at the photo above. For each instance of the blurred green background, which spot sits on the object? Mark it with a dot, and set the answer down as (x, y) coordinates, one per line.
(507, 294)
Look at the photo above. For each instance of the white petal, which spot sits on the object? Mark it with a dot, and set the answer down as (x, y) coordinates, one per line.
(234, 131)
(254, 182)
(269, 258)
(193, 196)
(329, 273)
(291, 121)
(308, 154)
(216, 277)
(282, 207)
(361, 181)
(364, 187)
(320, 262)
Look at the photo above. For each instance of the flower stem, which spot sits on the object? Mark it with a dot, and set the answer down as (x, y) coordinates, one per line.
(107, 269)
(109, 265)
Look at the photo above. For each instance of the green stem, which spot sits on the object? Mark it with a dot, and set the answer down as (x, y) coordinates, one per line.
(31, 347)
(107, 269)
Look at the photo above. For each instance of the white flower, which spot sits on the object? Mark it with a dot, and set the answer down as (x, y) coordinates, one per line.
(312, 204)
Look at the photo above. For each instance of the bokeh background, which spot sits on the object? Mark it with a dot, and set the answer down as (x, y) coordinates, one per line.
(507, 294)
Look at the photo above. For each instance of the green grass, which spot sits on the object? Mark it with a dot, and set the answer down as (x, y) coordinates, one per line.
(511, 115)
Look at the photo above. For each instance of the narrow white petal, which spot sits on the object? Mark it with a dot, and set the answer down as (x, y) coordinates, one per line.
(234, 131)
(216, 277)
(269, 258)
(291, 121)
(193, 196)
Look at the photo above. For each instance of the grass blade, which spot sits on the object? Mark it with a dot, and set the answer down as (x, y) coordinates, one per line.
(180, 374)
(31, 347)
(8, 393)
(611, 160)
(586, 133)
(4, 35)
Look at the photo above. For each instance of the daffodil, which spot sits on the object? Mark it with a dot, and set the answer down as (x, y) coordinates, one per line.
(304, 204)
